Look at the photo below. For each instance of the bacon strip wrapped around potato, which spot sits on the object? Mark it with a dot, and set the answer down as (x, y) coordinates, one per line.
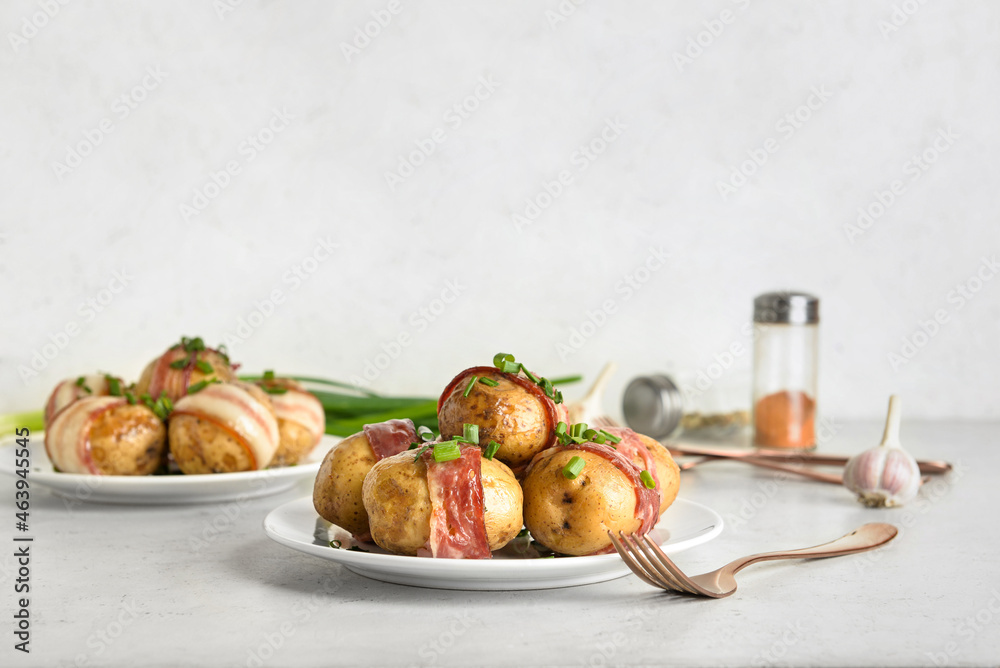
(223, 428)
(187, 364)
(508, 408)
(71, 389)
(574, 494)
(462, 508)
(105, 436)
(301, 419)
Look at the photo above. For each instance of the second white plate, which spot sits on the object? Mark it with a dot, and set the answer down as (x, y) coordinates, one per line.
(162, 489)
(296, 525)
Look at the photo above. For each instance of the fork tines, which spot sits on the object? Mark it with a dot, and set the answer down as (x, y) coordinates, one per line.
(650, 564)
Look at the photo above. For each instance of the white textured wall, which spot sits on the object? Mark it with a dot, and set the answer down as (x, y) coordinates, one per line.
(673, 131)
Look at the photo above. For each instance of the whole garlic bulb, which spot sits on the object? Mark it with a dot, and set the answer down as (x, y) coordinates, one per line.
(887, 475)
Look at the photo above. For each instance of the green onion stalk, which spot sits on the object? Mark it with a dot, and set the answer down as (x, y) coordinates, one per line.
(346, 413)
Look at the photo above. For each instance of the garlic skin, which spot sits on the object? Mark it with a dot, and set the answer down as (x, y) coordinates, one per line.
(883, 477)
(886, 476)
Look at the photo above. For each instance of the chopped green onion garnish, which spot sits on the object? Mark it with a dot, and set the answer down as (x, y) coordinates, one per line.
(471, 433)
(114, 386)
(532, 377)
(522, 533)
(647, 479)
(469, 386)
(557, 397)
(81, 382)
(491, 449)
(611, 437)
(335, 543)
(420, 452)
(199, 386)
(577, 430)
(590, 434)
(178, 364)
(447, 451)
(573, 468)
(269, 375)
(271, 389)
(599, 438)
(547, 388)
(169, 405)
(425, 433)
(561, 428)
(413, 446)
(500, 358)
(488, 381)
(510, 367)
(203, 366)
(130, 398)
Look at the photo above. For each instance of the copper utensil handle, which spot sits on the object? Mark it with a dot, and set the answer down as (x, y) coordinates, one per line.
(814, 459)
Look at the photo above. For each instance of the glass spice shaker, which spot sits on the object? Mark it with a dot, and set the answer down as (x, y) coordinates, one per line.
(786, 347)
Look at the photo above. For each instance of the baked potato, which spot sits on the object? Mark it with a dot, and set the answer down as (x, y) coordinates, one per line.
(337, 490)
(398, 499)
(105, 436)
(649, 454)
(223, 428)
(514, 412)
(71, 389)
(301, 419)
(573, 515)
(186, 364)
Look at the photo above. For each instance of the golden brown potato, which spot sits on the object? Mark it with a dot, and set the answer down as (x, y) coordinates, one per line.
(105, 436)
(668, 474)
(295, 441)
(515, 414)
(128, 440)
(337, 490)
(573, 516)
(224, 428)
(398, 503)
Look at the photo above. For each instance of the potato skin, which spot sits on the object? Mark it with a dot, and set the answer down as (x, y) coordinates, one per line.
(516, 418)
(128, 440)
(337, 490)
(398, 503)
(668, 474)
(294, 443)
(573, 516)
(200, 446)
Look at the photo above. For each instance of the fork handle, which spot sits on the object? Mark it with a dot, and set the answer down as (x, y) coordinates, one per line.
(866, 537)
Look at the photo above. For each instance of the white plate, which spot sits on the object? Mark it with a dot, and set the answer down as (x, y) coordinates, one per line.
(296, 524)
(162, 489)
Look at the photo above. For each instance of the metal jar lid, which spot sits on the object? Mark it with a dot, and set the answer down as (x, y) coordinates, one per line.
(652, 405)
(786, 308)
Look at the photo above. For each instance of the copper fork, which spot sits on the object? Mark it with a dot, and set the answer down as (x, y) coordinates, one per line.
(655, 568)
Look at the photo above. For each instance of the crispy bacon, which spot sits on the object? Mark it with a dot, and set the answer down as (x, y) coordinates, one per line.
(67, 440)
(391, 437)
(458, 526)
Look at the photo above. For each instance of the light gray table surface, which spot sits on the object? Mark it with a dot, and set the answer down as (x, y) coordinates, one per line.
(122, 586)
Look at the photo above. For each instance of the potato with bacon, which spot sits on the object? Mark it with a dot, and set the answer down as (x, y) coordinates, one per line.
(223, 428)
(71, 389)
(185, 365)
(301, 420)
(337, 490)
(105, 435)
(509, 404)
(575, 492)
(445, 500)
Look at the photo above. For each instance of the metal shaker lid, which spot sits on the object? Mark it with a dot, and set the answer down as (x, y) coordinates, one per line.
(786, 308)
(652, 405)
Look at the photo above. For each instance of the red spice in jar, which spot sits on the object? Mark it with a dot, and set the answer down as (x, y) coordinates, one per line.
(785, 420)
